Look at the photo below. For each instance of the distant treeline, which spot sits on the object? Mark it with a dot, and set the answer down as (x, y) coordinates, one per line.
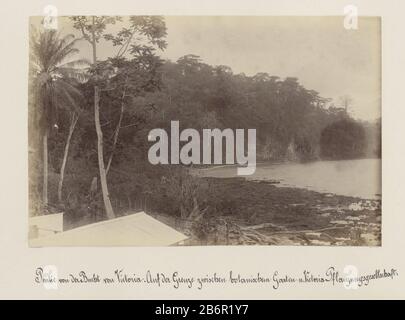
(292, 122)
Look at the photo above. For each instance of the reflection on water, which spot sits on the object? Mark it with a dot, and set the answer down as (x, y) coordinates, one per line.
(357, 178)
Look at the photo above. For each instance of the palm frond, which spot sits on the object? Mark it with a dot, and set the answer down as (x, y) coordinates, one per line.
(75, 63)
(65, 49)
(54, 79)
(73, 74)
(70, 87)
(66, 100)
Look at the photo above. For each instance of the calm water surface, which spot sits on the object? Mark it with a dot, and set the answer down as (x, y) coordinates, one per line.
(357, 178)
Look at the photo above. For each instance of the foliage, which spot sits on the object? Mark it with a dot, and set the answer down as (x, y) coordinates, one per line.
(54, 79)
(139, 92)
(344, 139)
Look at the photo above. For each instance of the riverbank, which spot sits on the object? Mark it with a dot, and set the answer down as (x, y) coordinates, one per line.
(273, 215)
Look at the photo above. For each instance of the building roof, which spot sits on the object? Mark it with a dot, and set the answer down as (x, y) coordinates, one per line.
(52, 222)
(138, 229)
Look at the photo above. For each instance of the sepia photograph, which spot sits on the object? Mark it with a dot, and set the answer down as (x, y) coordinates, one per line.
(204, 131)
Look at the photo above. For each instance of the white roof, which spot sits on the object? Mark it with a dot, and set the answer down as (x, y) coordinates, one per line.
(138, 229)
(52, 222)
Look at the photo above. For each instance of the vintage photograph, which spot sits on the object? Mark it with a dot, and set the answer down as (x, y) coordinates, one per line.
(204, 130)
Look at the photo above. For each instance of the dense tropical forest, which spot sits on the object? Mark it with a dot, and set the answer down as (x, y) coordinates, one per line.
(89, 120)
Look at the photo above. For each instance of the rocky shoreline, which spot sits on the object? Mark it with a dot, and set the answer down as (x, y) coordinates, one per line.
(260, 212)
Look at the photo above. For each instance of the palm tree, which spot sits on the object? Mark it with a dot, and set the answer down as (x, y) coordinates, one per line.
(54, 81)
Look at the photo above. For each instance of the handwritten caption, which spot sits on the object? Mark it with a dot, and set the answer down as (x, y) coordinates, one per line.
(51, 278)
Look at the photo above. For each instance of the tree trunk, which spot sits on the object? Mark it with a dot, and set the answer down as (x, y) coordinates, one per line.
(45, 173)
(73, 122)
(117, 130)
(129, 202)
(103, 176)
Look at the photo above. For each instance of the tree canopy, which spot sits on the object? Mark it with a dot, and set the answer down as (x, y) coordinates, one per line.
(138, 91)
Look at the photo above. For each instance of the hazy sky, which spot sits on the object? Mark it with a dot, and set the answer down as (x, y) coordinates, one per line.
(319, 51)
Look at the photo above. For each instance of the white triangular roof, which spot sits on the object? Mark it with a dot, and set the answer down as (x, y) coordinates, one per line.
(138, 229)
